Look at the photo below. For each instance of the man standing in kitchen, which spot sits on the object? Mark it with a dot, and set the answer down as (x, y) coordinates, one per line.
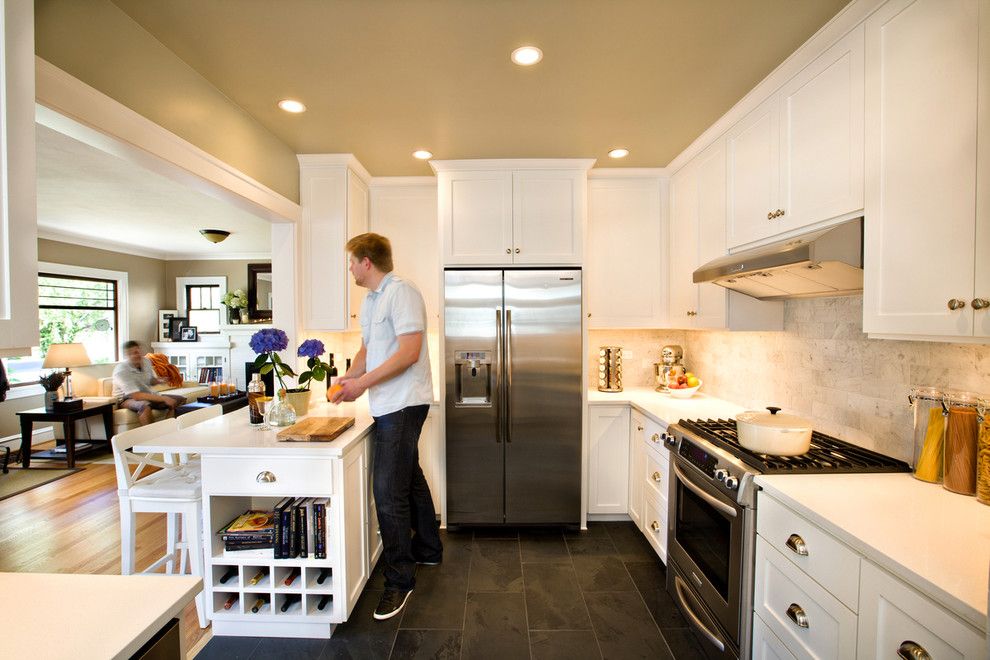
(393, 365)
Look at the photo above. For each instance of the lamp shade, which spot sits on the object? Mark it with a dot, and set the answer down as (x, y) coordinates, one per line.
(64, 356)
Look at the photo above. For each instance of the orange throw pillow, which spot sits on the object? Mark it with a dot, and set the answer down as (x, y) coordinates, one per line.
(165, 369)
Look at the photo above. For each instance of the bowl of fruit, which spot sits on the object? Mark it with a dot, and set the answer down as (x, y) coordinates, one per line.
(683, 386)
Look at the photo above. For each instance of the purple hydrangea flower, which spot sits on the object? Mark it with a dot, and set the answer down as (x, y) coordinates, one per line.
(269, 340)
(311, 348)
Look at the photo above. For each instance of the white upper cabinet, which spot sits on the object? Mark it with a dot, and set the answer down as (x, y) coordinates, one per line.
(797, 159)
(512, 211)
(18, 210)
(625, 218)
(334, 198)
(924, 272)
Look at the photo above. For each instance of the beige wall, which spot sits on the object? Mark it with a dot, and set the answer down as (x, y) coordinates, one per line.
(235, 270)
(97, 43)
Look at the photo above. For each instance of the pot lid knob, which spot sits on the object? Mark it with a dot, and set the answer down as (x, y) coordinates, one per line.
(773, 410)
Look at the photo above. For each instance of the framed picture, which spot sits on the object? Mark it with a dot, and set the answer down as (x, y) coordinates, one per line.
(175, 325)
(188, 333)
(165, 317)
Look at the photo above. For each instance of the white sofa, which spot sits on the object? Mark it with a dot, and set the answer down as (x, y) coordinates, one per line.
(95, 383)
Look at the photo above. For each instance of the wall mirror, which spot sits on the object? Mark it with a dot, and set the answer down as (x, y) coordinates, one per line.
(260, 292)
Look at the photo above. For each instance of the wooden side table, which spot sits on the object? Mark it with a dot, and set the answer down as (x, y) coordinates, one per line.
(68, 421)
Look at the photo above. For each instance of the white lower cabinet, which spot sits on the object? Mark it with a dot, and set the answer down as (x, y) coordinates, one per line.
(766, 645)
(637, 464)
(655, 523)
(897, 621)
(608, 461)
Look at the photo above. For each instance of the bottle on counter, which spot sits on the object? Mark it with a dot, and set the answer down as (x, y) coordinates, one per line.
(255, 393)
(331, 376)
(929, 433)
(961, 434)
(983, 451)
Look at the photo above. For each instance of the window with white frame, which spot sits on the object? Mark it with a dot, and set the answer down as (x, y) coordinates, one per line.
(203, 307)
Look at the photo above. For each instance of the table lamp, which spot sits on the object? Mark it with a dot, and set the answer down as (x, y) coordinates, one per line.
(65, 356)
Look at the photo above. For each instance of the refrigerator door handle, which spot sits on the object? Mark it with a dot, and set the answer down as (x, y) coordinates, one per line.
(498, 376)
(508, 373)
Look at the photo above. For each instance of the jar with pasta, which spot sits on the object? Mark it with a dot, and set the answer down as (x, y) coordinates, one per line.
(929, 432)
(983, 451)
(961, 433)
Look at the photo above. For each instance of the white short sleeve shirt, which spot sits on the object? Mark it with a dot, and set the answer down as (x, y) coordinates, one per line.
(395, 308)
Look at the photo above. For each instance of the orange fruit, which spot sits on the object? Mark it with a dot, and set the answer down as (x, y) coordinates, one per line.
(332, 391)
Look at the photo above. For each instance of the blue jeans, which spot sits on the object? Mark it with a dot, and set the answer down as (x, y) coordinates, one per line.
(406, 517)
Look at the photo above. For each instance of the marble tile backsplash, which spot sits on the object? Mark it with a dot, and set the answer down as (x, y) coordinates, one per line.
(640, 349)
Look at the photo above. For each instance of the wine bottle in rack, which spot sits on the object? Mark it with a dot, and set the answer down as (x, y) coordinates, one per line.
(324, 602)
(260, 603)
(289, 601)
(231, 572)
(230, 602)
(322, 577)
(291, 577)
(258, 577)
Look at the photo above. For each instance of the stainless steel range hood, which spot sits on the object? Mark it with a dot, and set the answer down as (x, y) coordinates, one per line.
(822, 263)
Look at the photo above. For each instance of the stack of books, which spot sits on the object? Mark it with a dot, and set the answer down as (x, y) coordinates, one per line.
(300, 528)
(252, 530)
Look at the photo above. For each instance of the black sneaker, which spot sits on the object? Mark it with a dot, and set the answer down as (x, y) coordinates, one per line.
(391, 603)
(429, 562)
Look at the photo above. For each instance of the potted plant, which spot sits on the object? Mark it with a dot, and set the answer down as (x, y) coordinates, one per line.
(51, 382)
(267, 343)
(236, 300)
(316, 369)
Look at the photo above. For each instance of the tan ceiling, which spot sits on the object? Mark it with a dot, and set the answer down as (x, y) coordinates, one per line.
(384, 77)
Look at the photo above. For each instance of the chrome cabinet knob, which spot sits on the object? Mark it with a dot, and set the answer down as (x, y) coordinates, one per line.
(980, 303)
(518, 250)
(265, 477)
(770, 215)
(508, 250)
(797, 545)
(797, 614)
(655, 526)
(955, 304)
(656, 477)
(655, 437)
(780, 213)
(909, 650)
(353, 316)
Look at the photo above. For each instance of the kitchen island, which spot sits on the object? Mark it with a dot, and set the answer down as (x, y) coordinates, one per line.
(246, 468)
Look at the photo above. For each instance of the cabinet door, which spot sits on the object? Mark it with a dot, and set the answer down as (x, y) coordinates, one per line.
(357, 223)
(325, 278)
(894, 617)
(981, 324)
(548, 210)
(355, 504)
(429, 456)
(683, 292)
(624, 226)
(753, 163)
(711, 306)
(921, 137)
(766, 645)
(637, 466)
(821, 137)
(608, 465)
(476, 216)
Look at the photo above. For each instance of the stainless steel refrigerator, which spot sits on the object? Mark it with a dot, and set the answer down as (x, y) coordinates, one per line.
(512, 363)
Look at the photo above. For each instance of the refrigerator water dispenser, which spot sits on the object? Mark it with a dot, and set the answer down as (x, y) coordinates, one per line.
(473, 378)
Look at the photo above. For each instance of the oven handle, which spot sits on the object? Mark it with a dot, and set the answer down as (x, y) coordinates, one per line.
(721, 506)
(694, 618)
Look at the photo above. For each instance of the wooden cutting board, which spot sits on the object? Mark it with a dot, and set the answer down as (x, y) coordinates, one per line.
(316, 429)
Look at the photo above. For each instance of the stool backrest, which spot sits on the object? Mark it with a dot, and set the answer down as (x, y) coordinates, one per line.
(123, 457)
(199, 415)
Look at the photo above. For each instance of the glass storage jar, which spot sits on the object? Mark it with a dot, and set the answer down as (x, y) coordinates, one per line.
(961, 432)
(929, 432)
(983, 451)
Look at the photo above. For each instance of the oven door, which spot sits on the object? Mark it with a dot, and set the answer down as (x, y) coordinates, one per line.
(706, 542)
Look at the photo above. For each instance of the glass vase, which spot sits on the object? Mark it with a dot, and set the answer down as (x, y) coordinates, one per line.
(281, 413)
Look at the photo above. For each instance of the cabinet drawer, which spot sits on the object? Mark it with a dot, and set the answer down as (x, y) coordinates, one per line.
(245, 475)
(834, 565)
(894, 616)
(657, 473)
(766, 645)
(785, 596)
(655, 523)
(653, 433)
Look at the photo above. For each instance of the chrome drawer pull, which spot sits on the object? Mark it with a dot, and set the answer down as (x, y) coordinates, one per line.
(909, 650)
(655, 526)
(655, 437)
(797, 545)
(796, 614)
(265, 477)
(656, 477)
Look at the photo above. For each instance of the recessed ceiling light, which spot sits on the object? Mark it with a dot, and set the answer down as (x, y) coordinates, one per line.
(290, 105)
(422, 154)
(618, 153)
(527, 55)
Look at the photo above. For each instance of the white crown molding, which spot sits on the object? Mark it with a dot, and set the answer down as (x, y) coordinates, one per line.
(99, 243)
(402, 181)
(851, 15)
(628, 173)
(72, 107)
(335, 160)
(512, 164)
(234, 256)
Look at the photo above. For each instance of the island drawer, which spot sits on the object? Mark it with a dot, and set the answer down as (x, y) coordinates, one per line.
(267, 475)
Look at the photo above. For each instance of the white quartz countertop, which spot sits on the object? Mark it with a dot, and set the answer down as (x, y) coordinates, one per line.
(935, 540)
(665, 408)
(232, 434)
(55, 616)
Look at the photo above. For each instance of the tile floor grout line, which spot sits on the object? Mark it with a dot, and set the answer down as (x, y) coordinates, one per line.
(522, 576)
(643, 600)
(467, 589)
(584, 600)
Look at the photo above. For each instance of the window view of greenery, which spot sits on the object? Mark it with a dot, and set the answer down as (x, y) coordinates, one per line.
(70, 310)
(203, 307)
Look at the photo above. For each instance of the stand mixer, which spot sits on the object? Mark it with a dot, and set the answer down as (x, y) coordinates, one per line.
(671, 356)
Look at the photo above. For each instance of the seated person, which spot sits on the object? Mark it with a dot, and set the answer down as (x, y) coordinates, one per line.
(132, 381)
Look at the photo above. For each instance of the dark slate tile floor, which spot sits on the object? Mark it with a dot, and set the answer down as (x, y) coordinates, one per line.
(511, 594)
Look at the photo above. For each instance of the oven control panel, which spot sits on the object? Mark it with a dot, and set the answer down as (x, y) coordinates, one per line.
(722, 473)
(698, 457)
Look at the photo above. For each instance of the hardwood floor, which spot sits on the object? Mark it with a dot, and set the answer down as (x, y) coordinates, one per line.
(73, 526)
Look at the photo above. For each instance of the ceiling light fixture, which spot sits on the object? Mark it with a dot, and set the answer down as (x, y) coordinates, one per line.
(526, 55)
(214, 235)
(618, 153)
(422, 154)
(290, 105)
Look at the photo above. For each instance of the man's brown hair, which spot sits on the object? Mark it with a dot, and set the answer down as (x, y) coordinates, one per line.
(374, 246)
